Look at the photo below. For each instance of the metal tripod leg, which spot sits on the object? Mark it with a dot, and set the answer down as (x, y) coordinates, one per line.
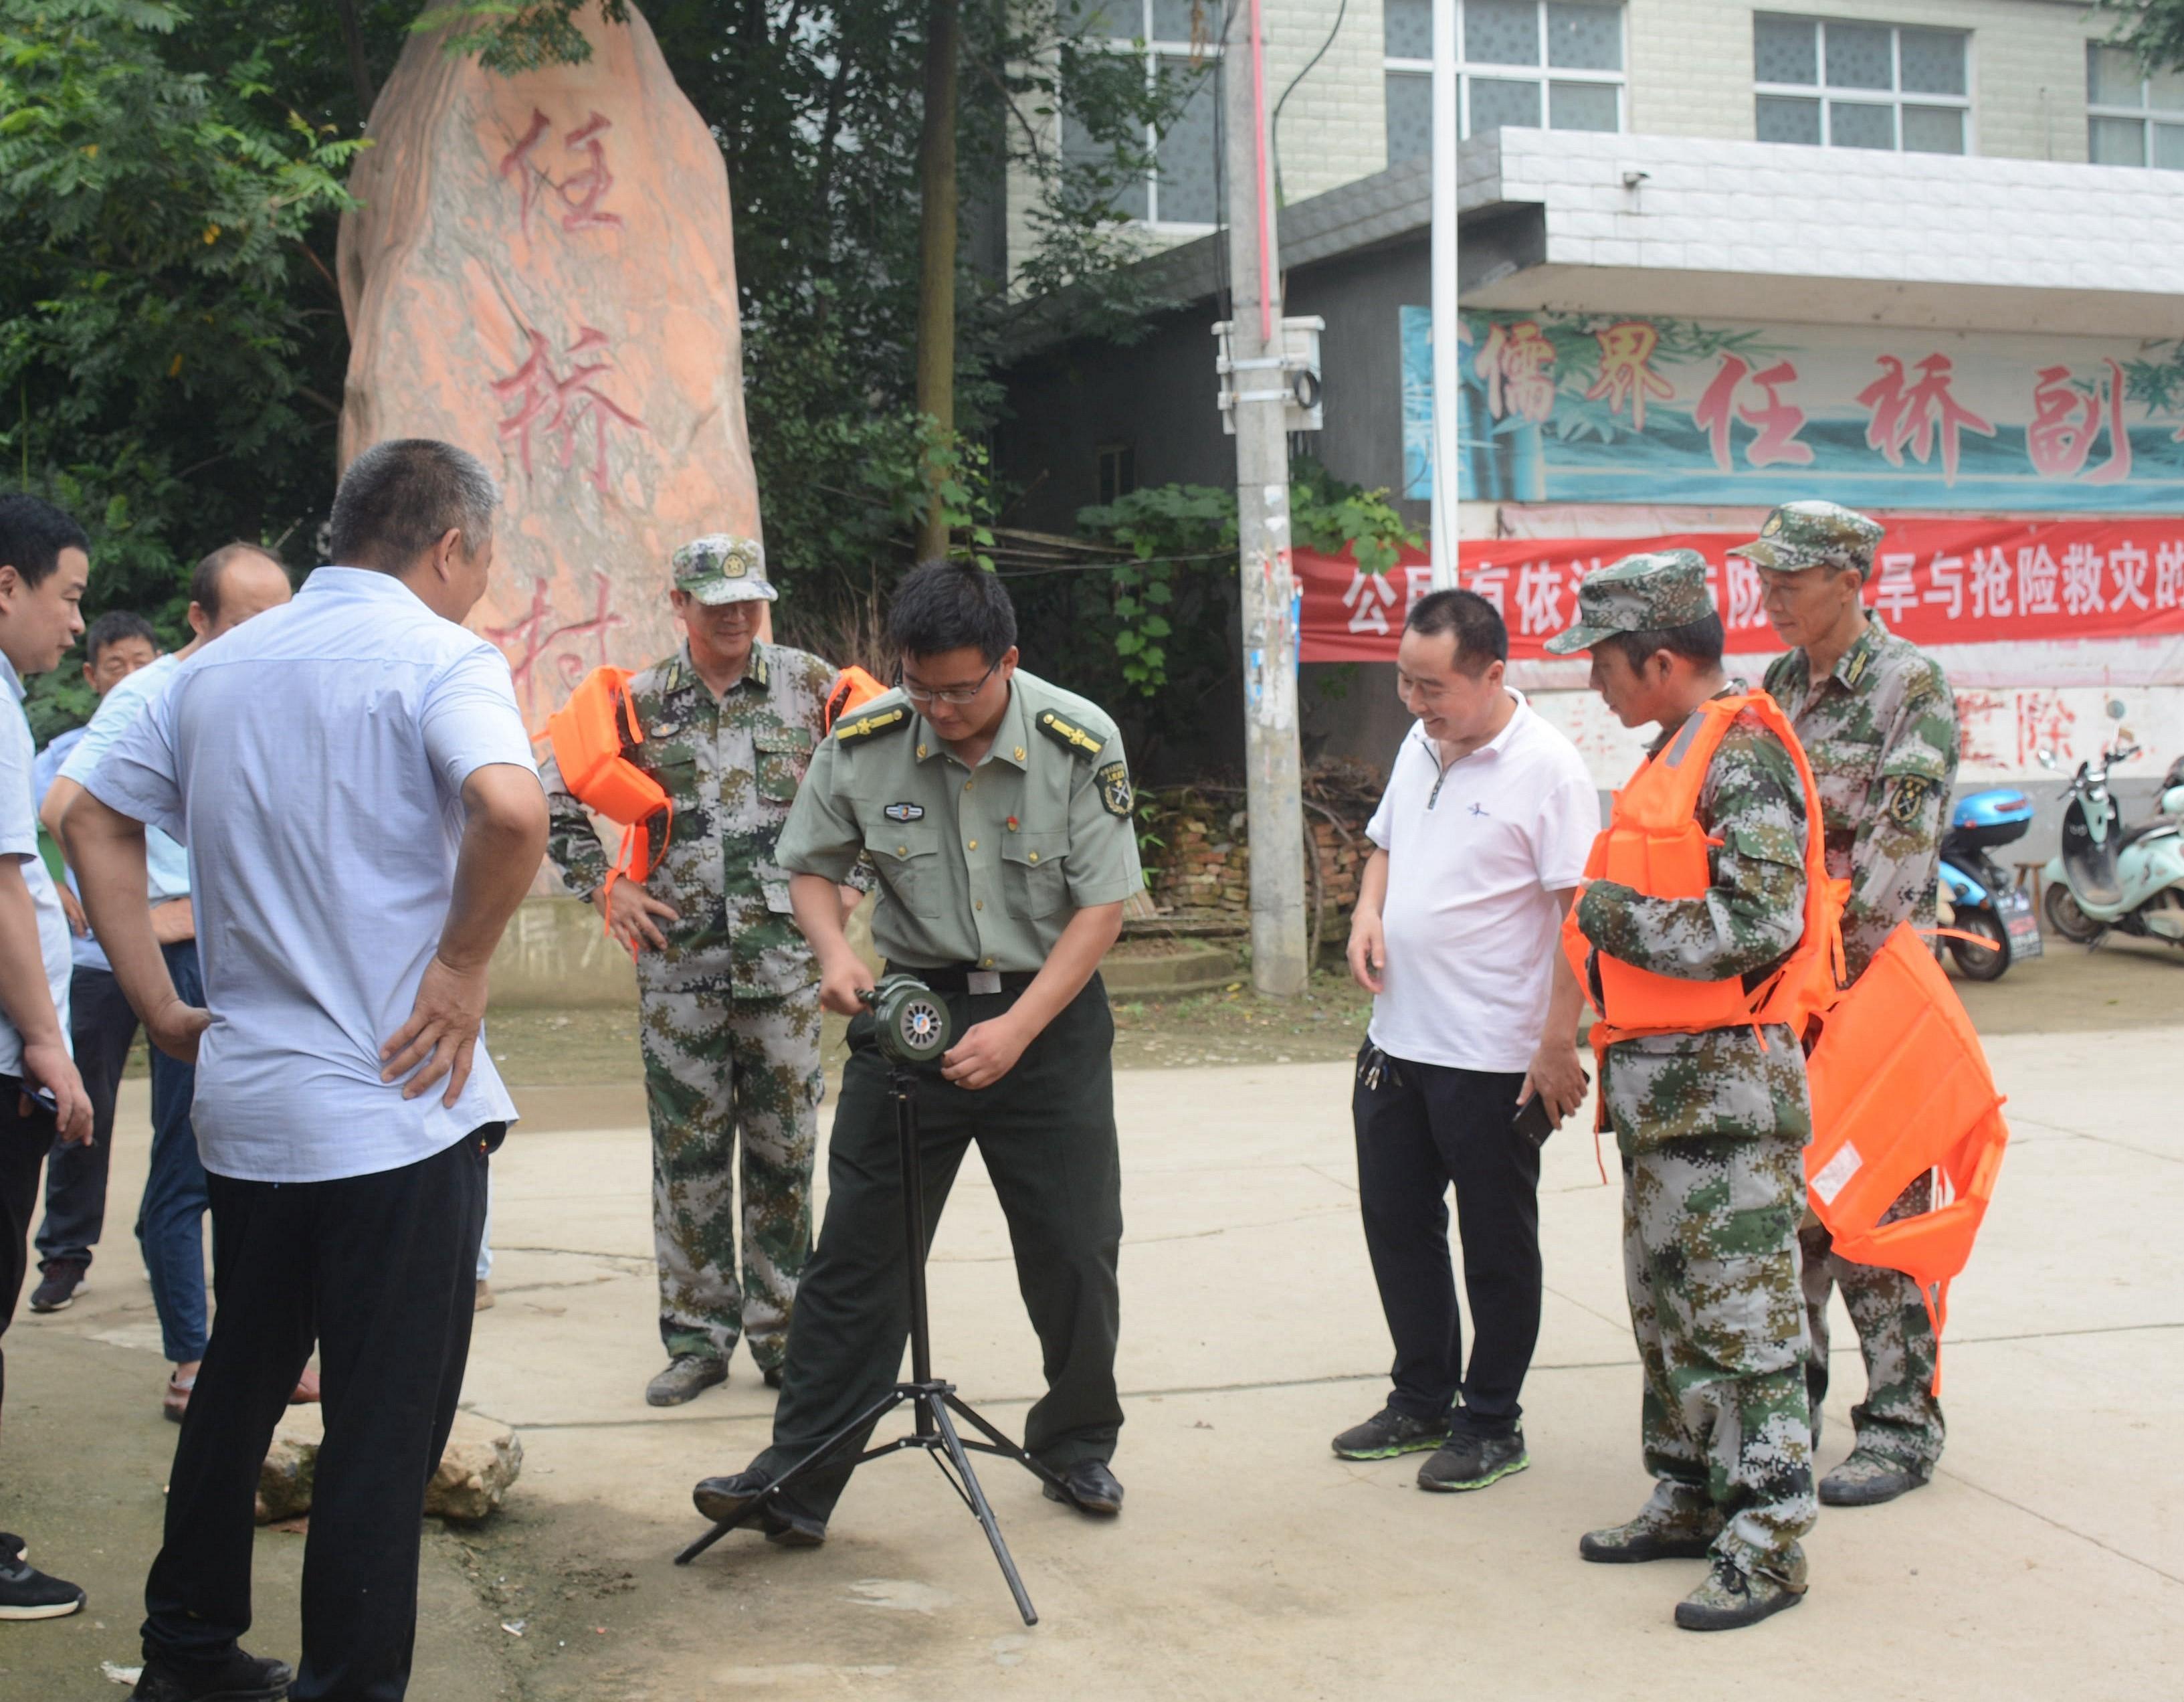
(938, 1405)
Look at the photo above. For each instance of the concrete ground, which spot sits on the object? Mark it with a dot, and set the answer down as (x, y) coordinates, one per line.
(2047, 1558)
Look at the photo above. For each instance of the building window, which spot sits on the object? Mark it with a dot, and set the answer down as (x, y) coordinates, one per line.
(2132, 119)
(1118, 471)
(1827, 83)
(1542, 63)
(1178, 38)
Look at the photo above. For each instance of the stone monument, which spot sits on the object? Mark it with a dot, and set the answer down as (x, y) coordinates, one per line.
(541, 270)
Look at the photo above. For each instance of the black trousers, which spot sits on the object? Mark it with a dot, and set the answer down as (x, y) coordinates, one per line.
(24, 1138)
(1423, 1127)
(1046, 1132)
(381, 1271)
(101, 1028)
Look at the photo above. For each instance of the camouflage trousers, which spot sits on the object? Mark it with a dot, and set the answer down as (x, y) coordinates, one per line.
(726, 1080)
(1710, 1260)
(1901, 1416)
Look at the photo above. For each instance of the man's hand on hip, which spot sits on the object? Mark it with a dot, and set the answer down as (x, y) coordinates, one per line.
(1558, 1077)
(176, 1027)
(441, 1034)
(630, 912)
(1368, 950)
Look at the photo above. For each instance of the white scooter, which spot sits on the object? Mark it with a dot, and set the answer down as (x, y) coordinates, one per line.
(2106, 877)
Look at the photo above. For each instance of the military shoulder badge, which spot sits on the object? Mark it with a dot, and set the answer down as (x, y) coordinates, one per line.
(865, 726)
(1114, 783)
(1907, 799)
(1067, 735)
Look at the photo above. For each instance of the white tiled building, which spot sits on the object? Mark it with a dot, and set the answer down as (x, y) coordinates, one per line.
(1978, 191)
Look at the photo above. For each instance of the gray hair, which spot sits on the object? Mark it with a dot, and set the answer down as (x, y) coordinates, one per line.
(399, 498)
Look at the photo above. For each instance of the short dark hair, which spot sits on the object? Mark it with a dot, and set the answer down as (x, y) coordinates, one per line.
(1700, 641)
(205, 577)
(112, 627)
(33, 533)
(1482, 636)
(948, 605)
(399, 498)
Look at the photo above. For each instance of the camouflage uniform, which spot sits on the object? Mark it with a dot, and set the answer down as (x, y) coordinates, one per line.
(1880, 734)
(1711, 1128)
(729, 1012)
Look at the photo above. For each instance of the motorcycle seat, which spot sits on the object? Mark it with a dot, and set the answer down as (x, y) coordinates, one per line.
(2148, 830)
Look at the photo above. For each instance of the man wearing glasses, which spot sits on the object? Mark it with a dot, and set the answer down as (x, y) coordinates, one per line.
(727, 990)
(997, 810)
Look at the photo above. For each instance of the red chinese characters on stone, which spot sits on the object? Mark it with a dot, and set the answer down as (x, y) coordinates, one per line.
(2066, 420)
(536, 635)
(1626, 376)
(1518, 363)
(1911, 416)
(1777, 422)
(563, 405)
(581, 191)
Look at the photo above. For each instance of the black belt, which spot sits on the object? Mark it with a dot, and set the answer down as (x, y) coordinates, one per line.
(955, 977)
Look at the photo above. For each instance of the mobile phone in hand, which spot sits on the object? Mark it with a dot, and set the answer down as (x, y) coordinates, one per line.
(1532, 1121)
(44, 1096)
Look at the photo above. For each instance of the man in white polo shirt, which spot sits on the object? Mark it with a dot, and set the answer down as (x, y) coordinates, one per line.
(1480, 843)
(353, 782)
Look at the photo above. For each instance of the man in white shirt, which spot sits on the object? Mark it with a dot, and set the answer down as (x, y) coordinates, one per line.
(227, 588)
(1480, 842)
(44, 560)
(354, 784)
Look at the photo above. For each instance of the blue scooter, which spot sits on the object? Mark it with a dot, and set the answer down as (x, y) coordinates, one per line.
(1981, 898)
(2108, 877)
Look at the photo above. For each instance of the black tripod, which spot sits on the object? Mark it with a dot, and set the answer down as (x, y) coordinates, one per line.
(930, 1401)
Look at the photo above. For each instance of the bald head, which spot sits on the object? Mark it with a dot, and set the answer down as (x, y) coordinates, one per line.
(236, 582)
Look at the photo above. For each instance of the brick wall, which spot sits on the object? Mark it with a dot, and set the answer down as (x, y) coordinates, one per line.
(1201, 870)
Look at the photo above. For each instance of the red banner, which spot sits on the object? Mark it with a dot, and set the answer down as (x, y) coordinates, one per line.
(1936, 582)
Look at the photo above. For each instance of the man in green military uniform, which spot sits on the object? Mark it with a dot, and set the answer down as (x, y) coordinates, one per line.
(727, 993)
(1711, 1125)
(1879, 725)
(997, 809)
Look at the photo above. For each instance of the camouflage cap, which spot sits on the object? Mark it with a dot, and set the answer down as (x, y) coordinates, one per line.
(722, 568)
(1807, 535)
(1639, 594)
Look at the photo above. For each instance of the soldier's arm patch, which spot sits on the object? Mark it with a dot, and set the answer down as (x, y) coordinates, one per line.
(1906, 800)
(865, 726)
(1115, 794)
(1067, 735)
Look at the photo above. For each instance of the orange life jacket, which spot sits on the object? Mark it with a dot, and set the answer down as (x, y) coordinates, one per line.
(852, 688)
(1655, 845)
(592, 736)
(1901, 1087)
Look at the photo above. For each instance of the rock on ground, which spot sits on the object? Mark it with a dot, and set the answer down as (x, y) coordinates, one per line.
(482, 1459)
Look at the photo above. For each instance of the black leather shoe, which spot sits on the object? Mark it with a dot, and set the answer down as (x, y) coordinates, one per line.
(242, 1678)
(1090, 1487)
(783, 1520)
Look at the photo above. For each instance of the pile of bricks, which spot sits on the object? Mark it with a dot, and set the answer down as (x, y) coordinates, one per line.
(1202, 865)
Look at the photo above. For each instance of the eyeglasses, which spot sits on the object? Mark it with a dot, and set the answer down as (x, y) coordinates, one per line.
(956, 694)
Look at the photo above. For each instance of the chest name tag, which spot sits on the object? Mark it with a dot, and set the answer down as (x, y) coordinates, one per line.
(904, 813)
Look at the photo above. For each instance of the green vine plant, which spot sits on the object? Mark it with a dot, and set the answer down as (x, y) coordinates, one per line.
(1181, 540)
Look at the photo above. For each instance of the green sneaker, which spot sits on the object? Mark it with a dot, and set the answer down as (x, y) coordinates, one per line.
(1731, 1598)
(1678, 1523)
(1388, 1433)
(1468, 1460)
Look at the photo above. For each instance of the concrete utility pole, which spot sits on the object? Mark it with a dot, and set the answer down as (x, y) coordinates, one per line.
(1447, 383)
(1278, 969)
